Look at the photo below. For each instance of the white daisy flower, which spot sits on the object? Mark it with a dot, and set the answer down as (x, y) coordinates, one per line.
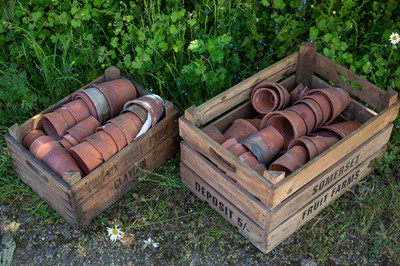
(115, 233)
(150, 242)
(394, 38)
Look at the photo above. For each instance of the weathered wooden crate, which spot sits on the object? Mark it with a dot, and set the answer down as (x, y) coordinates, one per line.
(269, 208)
(79, 200)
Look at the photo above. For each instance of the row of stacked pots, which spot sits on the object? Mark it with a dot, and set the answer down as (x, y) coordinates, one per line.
(291, 128)
(97, 123)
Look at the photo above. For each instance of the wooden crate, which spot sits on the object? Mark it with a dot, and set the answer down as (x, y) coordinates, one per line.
(269, 208)
(79, 200)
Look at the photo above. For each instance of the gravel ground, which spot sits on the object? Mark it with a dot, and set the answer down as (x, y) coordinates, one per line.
(41, 241)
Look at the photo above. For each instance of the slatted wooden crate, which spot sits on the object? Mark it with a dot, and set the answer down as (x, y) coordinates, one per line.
(79, 200)
(267, 209)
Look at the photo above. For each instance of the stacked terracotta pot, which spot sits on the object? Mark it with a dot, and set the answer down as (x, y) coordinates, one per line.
(293, 128)
(97, 123)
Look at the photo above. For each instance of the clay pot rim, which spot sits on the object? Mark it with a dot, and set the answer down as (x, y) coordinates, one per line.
(114, 110)
(100, 103)
(308, 127)
(81, 95)
(111, 129)
(155, 116)
(49, 120)
(77, 151)
(214, 133)
(261, 109)
(283, 93)
(106, 149)
(287, 115)
(36, 133)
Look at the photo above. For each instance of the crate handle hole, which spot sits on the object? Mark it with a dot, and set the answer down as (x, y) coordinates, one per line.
(221, 161)
(36, 171)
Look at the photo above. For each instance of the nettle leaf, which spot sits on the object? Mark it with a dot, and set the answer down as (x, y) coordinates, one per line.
(279, 4)
(177, 15)
(163, 46)
(37, 15)
(196, 45)
(265, 3)
(75, 23)
(137, 64)
(191, 22)
(321, 24)
(328, 37)
(328, 52)
(314, 33)
(178, 45)
(114, 42)
(173, 29)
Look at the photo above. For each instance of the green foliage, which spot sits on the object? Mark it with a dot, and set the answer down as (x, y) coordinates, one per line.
(188, 52)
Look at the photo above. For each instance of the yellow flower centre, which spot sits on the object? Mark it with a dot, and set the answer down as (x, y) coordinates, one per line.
(115, 231)
(394, 38)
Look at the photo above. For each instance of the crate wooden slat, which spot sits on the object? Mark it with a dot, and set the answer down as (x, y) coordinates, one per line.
(273, 205)
(80, 200)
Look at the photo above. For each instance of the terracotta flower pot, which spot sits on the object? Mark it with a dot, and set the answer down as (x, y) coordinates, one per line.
(284, 96)
(214, 133)
(104, 143)
(127, 125)
(290, 161)
(324, 105)
(298, 93)
(306, 144)
(238, 149)
(265, 100)
(259, 168)
(137, 110)
(153, 103)
(66, 114)
(54, 125)
(61, 161)
(265, 144)
(116, 133)
(68, 141)
(78, 109)
(77, 133)
(256, 122)
(338, 99)
(84, 128)
(80, 94)
(31, 136)
(100, 102)
(306, 113)
(248, 158)
(290, 124)
(322, 143)
(41, 146)
(316, 109)
(229, 143)
(117, 92)
(87, 156)
(342, 129)
(240, 129)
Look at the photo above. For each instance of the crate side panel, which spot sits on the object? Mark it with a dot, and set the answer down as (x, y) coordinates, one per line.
(298, 179)
(244, 176)
(126, 179)
(314, 207)
(334, 175)
(206, 193)
(368, 93)
(224, 185)
(124, 159)
(42, 181)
